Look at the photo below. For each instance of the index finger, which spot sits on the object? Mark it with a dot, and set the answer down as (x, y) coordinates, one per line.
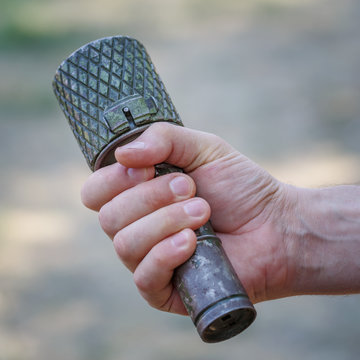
(109, 181)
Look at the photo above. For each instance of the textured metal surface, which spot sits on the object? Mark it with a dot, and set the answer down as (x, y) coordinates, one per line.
(110, 93)
(96, 77)
(211, 291)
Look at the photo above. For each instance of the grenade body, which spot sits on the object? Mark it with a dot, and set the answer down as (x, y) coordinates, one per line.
(110, 93)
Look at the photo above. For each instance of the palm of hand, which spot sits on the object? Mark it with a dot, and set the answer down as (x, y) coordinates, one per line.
(245, 201)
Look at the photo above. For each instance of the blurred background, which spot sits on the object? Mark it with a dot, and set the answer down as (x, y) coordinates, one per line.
(278, 79)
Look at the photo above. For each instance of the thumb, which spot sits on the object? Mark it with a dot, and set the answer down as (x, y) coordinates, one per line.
(176, 145)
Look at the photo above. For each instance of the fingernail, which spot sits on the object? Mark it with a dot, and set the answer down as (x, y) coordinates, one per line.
(180, 239)
(134, 145)
(195, 208)
(180, 186)
(137, 175)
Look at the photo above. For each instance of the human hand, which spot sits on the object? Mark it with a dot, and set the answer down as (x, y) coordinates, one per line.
(151, 220)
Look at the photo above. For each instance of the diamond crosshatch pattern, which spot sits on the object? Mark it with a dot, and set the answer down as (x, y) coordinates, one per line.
(95, 77)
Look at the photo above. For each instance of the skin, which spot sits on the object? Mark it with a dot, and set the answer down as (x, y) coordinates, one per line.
(282, 240)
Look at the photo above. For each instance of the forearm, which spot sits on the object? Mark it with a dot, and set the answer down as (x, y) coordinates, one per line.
(325, 241)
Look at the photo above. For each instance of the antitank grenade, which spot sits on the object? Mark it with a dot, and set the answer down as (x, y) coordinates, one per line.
(110, 93)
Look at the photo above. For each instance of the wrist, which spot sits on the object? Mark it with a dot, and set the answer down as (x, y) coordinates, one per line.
(322, 236)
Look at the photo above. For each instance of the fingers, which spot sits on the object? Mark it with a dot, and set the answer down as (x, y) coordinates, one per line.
(153, 275)
(107, 182)
(143, 199)
(134, 241)
(177, 145)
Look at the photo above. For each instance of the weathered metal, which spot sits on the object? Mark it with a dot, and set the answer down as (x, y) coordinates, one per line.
(110, 93)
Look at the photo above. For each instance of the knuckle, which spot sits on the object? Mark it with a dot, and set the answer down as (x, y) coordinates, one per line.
(141, 282)
(162, 127)
(122, 249)
(86, 195)
(153, 198)
(105, 218)
(216, 141)
(161, 130)
(215, 138)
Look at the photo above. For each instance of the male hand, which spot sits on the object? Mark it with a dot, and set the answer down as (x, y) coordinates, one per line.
(151, 220)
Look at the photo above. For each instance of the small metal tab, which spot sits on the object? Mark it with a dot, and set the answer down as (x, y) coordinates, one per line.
(139, 107)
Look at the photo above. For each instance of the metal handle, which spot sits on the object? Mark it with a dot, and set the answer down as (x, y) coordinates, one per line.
(209, 287)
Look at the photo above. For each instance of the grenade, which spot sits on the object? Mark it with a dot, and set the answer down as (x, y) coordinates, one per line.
(110, 93)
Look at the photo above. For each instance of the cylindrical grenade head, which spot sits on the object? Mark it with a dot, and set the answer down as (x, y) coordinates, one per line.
(110, 92)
